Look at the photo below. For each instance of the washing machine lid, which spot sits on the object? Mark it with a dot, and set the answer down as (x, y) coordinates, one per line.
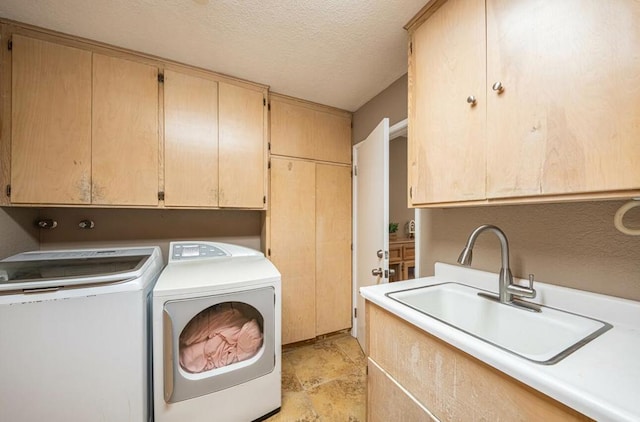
(42, 270)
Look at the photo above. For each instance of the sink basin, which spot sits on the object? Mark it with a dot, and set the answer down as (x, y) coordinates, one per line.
(544, 337)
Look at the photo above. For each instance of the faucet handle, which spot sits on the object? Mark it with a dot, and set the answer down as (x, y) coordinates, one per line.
(531, 281)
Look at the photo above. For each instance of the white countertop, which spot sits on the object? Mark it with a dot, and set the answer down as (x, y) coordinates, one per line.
(600, 380)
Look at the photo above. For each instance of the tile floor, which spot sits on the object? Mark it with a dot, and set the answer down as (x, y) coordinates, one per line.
(323, 381)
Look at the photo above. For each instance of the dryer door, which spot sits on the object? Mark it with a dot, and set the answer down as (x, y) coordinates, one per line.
(216, 342)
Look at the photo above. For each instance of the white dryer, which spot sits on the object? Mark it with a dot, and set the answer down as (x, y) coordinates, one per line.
(216, 335)
(74, 335)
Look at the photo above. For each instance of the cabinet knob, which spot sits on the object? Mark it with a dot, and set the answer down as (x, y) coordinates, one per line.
(471, 100)
(498, 87)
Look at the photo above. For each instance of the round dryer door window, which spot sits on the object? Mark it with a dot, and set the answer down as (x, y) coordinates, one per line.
(221, 335)
(215, 342)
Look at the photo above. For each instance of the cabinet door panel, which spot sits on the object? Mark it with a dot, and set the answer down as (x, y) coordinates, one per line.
(293, 251)
(568, 120)
(191, 140)
(125, 132)
(447, 134)
(291, 133)
(51, 123)
(242, 148)
(332, 137)
(333, 248)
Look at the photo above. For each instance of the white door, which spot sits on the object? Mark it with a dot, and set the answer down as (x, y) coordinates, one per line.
(371, 218)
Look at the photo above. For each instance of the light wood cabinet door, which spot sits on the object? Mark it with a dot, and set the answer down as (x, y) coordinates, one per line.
(291, 133)
(446, 133)
(293, 244)
(50, 123)
(332, 137)
(333, 248)
(125, 132)
(242, 152)
(307, 130)
(568, 120)
(190, 140)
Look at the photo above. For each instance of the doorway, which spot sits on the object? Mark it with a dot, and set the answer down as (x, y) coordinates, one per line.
(373, 186)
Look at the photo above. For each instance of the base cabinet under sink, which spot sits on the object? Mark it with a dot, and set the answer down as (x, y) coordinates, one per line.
(421, 378)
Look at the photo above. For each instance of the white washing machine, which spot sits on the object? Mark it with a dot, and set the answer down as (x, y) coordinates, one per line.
(75, 335)
(216, 335)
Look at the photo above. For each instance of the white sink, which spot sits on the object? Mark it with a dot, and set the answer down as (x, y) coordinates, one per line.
(544, 337)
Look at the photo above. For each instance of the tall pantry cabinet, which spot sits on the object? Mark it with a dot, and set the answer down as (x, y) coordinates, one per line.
(310, 216)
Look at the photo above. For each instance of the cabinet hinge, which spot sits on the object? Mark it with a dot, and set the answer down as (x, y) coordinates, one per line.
(411, 192)
(8, 191)
(355, 170)
(411, 48)
(269, 164)
(269, 252)
(264, 101)
(160, 196)
(264, 199)
(355, 312)
(269, 146)
(160, 77)
(10, 45)
(269, 106)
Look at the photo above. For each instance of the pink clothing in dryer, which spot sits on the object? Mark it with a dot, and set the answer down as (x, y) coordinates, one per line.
(217, 337)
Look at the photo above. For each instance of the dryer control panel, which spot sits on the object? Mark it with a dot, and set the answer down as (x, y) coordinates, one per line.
(190, 251)
(195, 250)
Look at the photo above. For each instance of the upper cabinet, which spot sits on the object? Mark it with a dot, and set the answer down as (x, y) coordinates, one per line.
(50, 123)
(306, 130)
(190, 140)
(88, 124)
(446, 133)
(243, 166)
(125, 141)
(539, 105)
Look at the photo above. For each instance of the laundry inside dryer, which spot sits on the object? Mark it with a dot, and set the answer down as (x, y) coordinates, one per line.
(221, 335)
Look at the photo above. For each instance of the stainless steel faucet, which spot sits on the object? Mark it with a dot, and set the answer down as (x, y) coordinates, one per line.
(507, 290)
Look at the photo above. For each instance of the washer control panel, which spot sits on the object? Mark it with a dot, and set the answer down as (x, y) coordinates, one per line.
(182, 251)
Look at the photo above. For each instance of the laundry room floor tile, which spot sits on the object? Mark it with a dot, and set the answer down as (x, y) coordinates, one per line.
(323, 381)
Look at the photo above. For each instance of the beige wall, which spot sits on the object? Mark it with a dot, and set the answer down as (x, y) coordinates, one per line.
(18, 232)
(574, 245)
(398, 210)
(124, 227)
(391, 103)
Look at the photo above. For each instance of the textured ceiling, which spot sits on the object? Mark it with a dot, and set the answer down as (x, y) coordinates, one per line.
(336, 52)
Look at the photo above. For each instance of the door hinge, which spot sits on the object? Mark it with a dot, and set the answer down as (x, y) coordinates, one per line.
(355, 312)
(160, 196)
(160, 77)
(10, 45)
(355, 170)
(264, 199)
(8, 191)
